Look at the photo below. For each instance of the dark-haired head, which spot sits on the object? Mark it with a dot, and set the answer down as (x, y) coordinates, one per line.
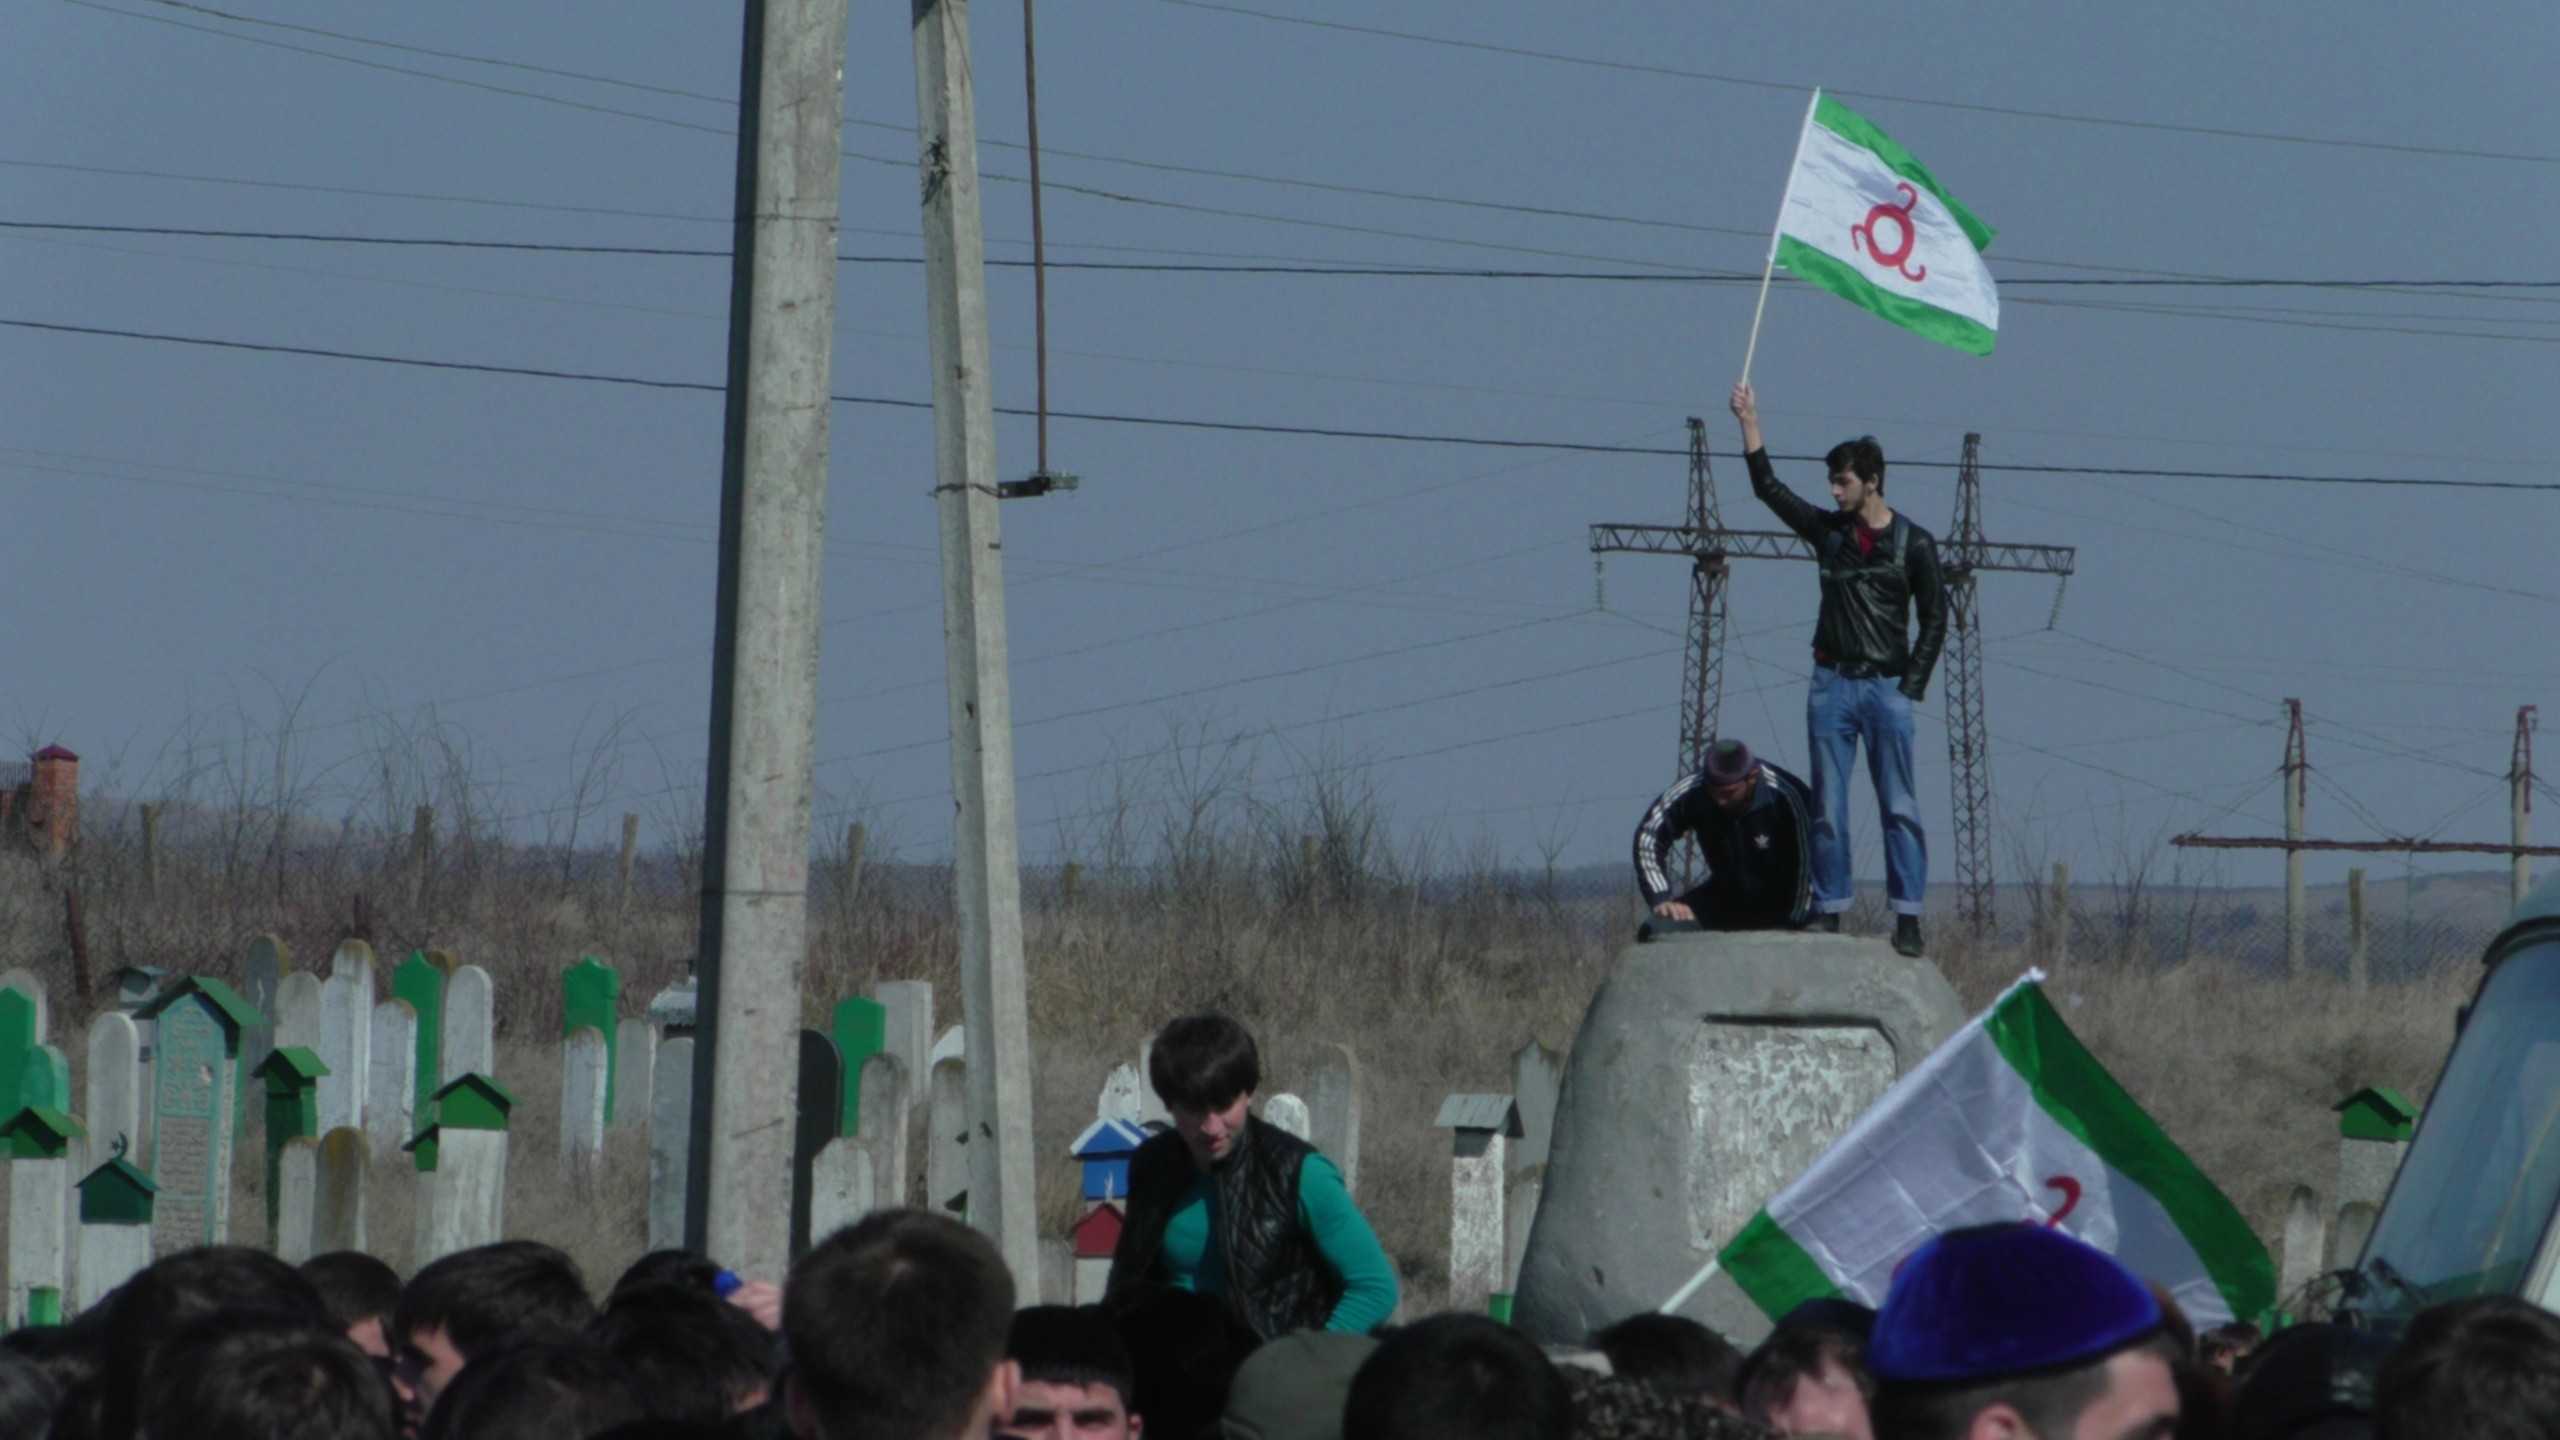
(668, 1267)
(27, 1396)
(1204, 1062)
(2486, 1368)
(897, 1327)
(179, 1290)
(1861, 457)
(543, 1390)
(692, 1357)
(361, 1293)
(1672, 1353)
(264, 1377)
(1458, 1377)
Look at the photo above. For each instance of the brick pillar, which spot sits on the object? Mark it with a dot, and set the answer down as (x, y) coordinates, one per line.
(53, 801)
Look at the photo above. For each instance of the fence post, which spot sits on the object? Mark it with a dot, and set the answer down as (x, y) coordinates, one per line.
(2061, 913)
(151, 851)
(630, 855)
(2359, 973)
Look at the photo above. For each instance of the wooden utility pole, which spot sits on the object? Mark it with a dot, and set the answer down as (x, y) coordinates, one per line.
(2297, 773)
(985, 857)
(773, 493)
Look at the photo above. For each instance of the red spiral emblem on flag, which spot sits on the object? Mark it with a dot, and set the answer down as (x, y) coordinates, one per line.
(1864, 236)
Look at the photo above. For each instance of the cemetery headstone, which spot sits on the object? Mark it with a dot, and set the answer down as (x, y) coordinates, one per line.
(2374, 1126)
(1119, 1097)
(1333, 1110)
(906, 1024)
(861, 1030)
(591, 995)
(420, 981)
(2306, 1241)
(470, 1027)
(1481, 1128)
(22, 1016)
(676, 1009)
(113, 1097)
(297, 1012)
(195, 1078)
(1057, 1268)
(115, 1229)
(585, 1071)
(670, 1142)
(466, 1189)
(635, 1065)
(260, 972)
(391, 1083)
(884, 1127)
(292, 1076)
(1537, 1075)
(297, 1193)
(346, 1035)
(337, 1210)
(841, 1187)
(951, 1044)
(2355, 1226)
(38, 1141)
(821, 1107)
(1709, 1070)
(1287, 1112)
(946, 1155)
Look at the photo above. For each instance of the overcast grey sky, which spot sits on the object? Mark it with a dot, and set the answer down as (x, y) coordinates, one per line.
(532, 558)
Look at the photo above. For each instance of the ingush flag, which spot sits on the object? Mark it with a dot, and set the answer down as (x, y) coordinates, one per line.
(1867, 222)
(2011, 1120)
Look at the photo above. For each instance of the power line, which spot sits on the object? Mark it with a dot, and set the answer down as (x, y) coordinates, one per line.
(2011, 111)
(1311, 267)
(1246, 427)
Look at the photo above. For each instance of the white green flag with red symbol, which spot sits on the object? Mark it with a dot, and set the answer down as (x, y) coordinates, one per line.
(1866, 221)
(2011, 1120)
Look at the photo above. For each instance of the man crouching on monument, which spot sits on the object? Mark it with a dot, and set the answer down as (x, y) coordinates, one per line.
(1752, 822)
(1867, 669)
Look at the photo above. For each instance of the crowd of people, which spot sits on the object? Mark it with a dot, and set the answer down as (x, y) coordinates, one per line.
(905, 1327)
(1248, 1300)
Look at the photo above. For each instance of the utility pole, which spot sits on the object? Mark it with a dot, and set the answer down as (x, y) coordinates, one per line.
(773, 499)
(1962, 555)
(2297, 772)
(2520, 803)
(985, 858)
(2297, 792)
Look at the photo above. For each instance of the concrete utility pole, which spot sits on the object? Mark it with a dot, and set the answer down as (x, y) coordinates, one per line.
(773, 510)
(987, 869)
(2297, 784)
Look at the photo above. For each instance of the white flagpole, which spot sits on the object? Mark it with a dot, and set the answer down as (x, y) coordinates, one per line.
(1771, 264)
(1697, 1282)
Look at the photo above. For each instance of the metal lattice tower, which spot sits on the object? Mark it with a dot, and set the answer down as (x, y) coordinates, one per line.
(1968, 733)
(1963, 554)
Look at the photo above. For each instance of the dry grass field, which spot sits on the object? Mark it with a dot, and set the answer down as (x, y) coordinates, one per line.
(1433, 968)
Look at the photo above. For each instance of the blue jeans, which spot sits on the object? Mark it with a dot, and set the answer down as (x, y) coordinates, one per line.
(1838, 713)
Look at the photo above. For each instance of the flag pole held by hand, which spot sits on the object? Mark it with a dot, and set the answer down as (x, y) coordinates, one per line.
(1771, 264)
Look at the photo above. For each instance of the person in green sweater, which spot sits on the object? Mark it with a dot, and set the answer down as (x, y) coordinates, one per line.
(1227, 1205)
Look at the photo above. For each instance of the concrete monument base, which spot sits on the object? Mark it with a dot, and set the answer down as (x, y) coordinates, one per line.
(1710, 1070)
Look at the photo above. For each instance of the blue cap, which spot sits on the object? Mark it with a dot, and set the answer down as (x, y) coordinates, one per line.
(726, 1283)
(2000, 1300)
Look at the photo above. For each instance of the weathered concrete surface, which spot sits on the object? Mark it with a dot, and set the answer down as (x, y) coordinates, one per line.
(1709, 1070)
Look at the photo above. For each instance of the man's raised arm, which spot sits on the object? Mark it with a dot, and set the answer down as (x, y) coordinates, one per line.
(1802, 518)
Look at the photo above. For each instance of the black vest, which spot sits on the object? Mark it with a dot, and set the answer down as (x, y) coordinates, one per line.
(1277, 1280)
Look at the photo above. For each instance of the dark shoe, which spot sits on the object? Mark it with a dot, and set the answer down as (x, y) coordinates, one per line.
(1827, 923)
(1906, 936)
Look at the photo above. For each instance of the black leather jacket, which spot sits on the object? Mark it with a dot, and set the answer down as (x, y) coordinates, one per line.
(1866, 599)
(1277, 1280)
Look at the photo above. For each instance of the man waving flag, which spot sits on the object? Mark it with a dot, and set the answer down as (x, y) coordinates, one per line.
(1866, 221)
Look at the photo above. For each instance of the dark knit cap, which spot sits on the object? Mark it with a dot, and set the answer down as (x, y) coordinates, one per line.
(2000, 1300)
(1070, 1344)
(1728, 761)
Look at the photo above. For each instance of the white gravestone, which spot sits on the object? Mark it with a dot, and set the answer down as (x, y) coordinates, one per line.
(40, 1196)
(466, 1194)
(194, 1112)
(1287, 1112)
(635, 1073)
(1119, 1098)
(346, 1037)
(1537, 1076)
(583, 1062)
(112, 1085)
(1482, 1128)
(469, 1031)
(2306, 1237)
(297, 1013)
(947, 1137)
(1333, 1110)
(391, 1079)
(670, 1141)
(883, 1128)
(841, 1189)
(297, 1198)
